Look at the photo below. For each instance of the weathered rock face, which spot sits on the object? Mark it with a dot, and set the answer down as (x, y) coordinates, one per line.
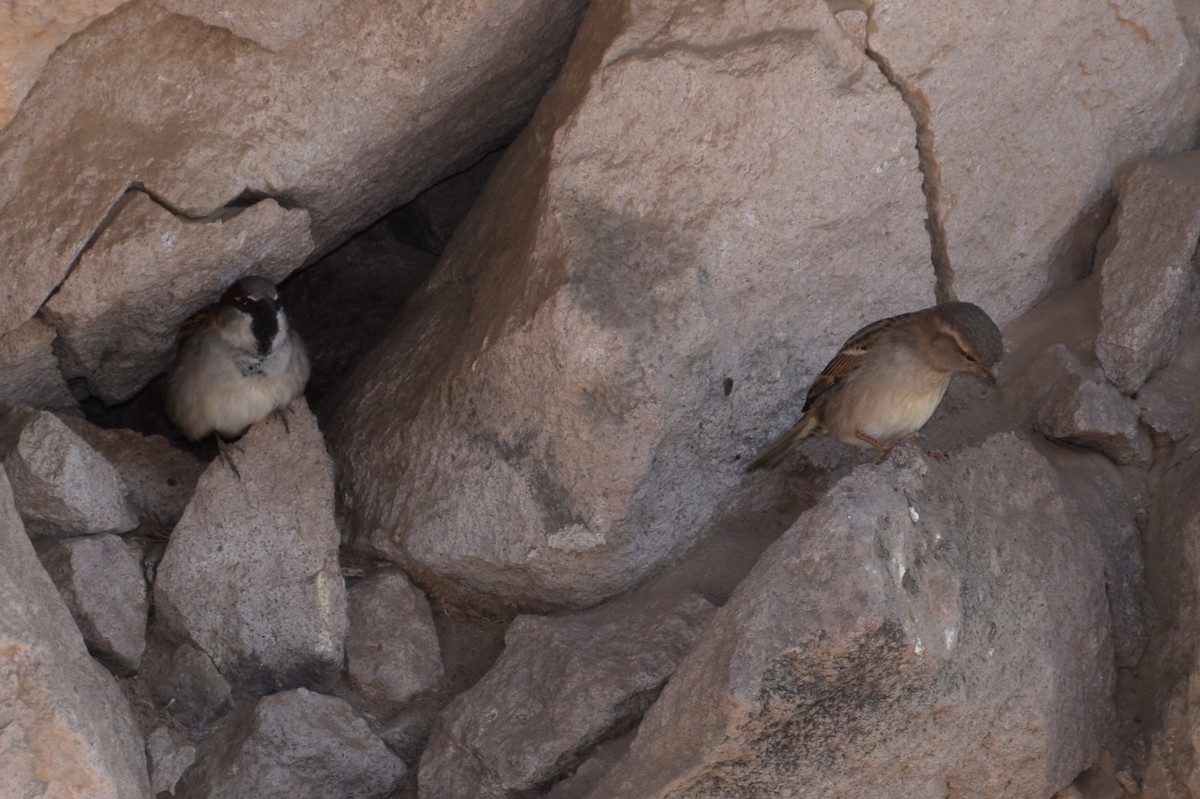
(67, 731)
(1073, 90)
(296, 744)
(202, 109)
(561, 685)
(918, 615)
(251, 572)
(548, 452)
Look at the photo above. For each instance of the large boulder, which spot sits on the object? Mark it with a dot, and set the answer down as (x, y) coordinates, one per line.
(704, 206)
(929, 628)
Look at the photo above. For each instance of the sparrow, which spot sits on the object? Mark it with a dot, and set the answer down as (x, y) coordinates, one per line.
(888, 378)
(238, 361)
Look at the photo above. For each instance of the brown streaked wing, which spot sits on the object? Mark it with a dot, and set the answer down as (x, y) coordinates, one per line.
(851, 355)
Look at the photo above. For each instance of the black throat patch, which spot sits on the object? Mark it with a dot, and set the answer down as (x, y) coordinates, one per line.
(264, 324)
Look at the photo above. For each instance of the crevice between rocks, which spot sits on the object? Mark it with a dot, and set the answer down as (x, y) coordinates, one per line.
(931, 173)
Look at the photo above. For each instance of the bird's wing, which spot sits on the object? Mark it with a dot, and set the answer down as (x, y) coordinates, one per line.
(852, 355)
(194, 324)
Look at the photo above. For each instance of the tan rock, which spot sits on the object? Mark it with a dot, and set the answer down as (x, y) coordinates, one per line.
(68, 730)
(32, 30)
(29, 373)
(1030, 108)
(194, 110)
(119, 311)
(703, 195)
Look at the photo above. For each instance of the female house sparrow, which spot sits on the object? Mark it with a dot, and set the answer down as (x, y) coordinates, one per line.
(888, 378)
(238, 362)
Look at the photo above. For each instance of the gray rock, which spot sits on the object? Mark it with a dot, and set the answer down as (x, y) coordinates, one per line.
(1078, 406)
(62, 486)
(29, 372)
(633, 248)
(406, 735)
(927, 628)
(159, 478)
(67, 728)
(392, 648)
(1148, 277)
(168, 759)
(561, 685)
(189, 686)
(1169, 401)
(100, 578)
(293, 744)
(118, 313)
(251, 572)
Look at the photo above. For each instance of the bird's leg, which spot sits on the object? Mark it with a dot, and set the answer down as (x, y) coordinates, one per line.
(228, 461)
(883, 448)
(281, 413)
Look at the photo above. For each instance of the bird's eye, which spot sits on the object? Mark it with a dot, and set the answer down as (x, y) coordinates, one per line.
(243, 303)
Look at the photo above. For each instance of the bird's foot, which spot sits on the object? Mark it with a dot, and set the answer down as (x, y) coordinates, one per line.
(223, 454)
(883, 448)
(282, 415)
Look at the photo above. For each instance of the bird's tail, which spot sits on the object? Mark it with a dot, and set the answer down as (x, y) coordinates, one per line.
(778, 449)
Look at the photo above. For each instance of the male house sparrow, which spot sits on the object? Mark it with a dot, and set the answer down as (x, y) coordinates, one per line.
(238, 362)
(888, 378)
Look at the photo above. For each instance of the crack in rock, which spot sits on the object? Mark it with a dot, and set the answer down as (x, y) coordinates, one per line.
(931, 183)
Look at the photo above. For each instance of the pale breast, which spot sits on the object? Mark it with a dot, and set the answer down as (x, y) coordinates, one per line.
(885, 404)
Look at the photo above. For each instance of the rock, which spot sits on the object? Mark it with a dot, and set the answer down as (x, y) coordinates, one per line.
(205, 107)
(1080, 407)
(62, 486)
(432, 217)
(407, 735)
(929, 628)
(296, 744)
(1075, 90)
(392, 647)
(251, 572)
(635, 246)
(1169, 402)
(168, 760)
(100, 578)
(343, 304)
(561, 685)
(190, 687)
(1148, 277)
(67, 729)
(159, 478)
(119, 311)
(32, 31)
(29, 372)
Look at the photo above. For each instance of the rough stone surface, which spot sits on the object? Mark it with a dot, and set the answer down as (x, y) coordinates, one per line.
(29, 372)
(1169, 401)
(560, 686)
(66, 730)
(62, 486)
(392, 647)
(159, 478)
(928, 629)
(100, 578)
(189, 686)
(168, 759)
(1074, 89)
(635, 247)
(1080, 407)
(119, 311)
(294, 744)
(1172, 767)
(343, 304)
(193, 106)
(1148, 276)
(32, 30)
(251, 572)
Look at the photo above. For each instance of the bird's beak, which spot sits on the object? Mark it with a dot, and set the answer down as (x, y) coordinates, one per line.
(990, 376)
